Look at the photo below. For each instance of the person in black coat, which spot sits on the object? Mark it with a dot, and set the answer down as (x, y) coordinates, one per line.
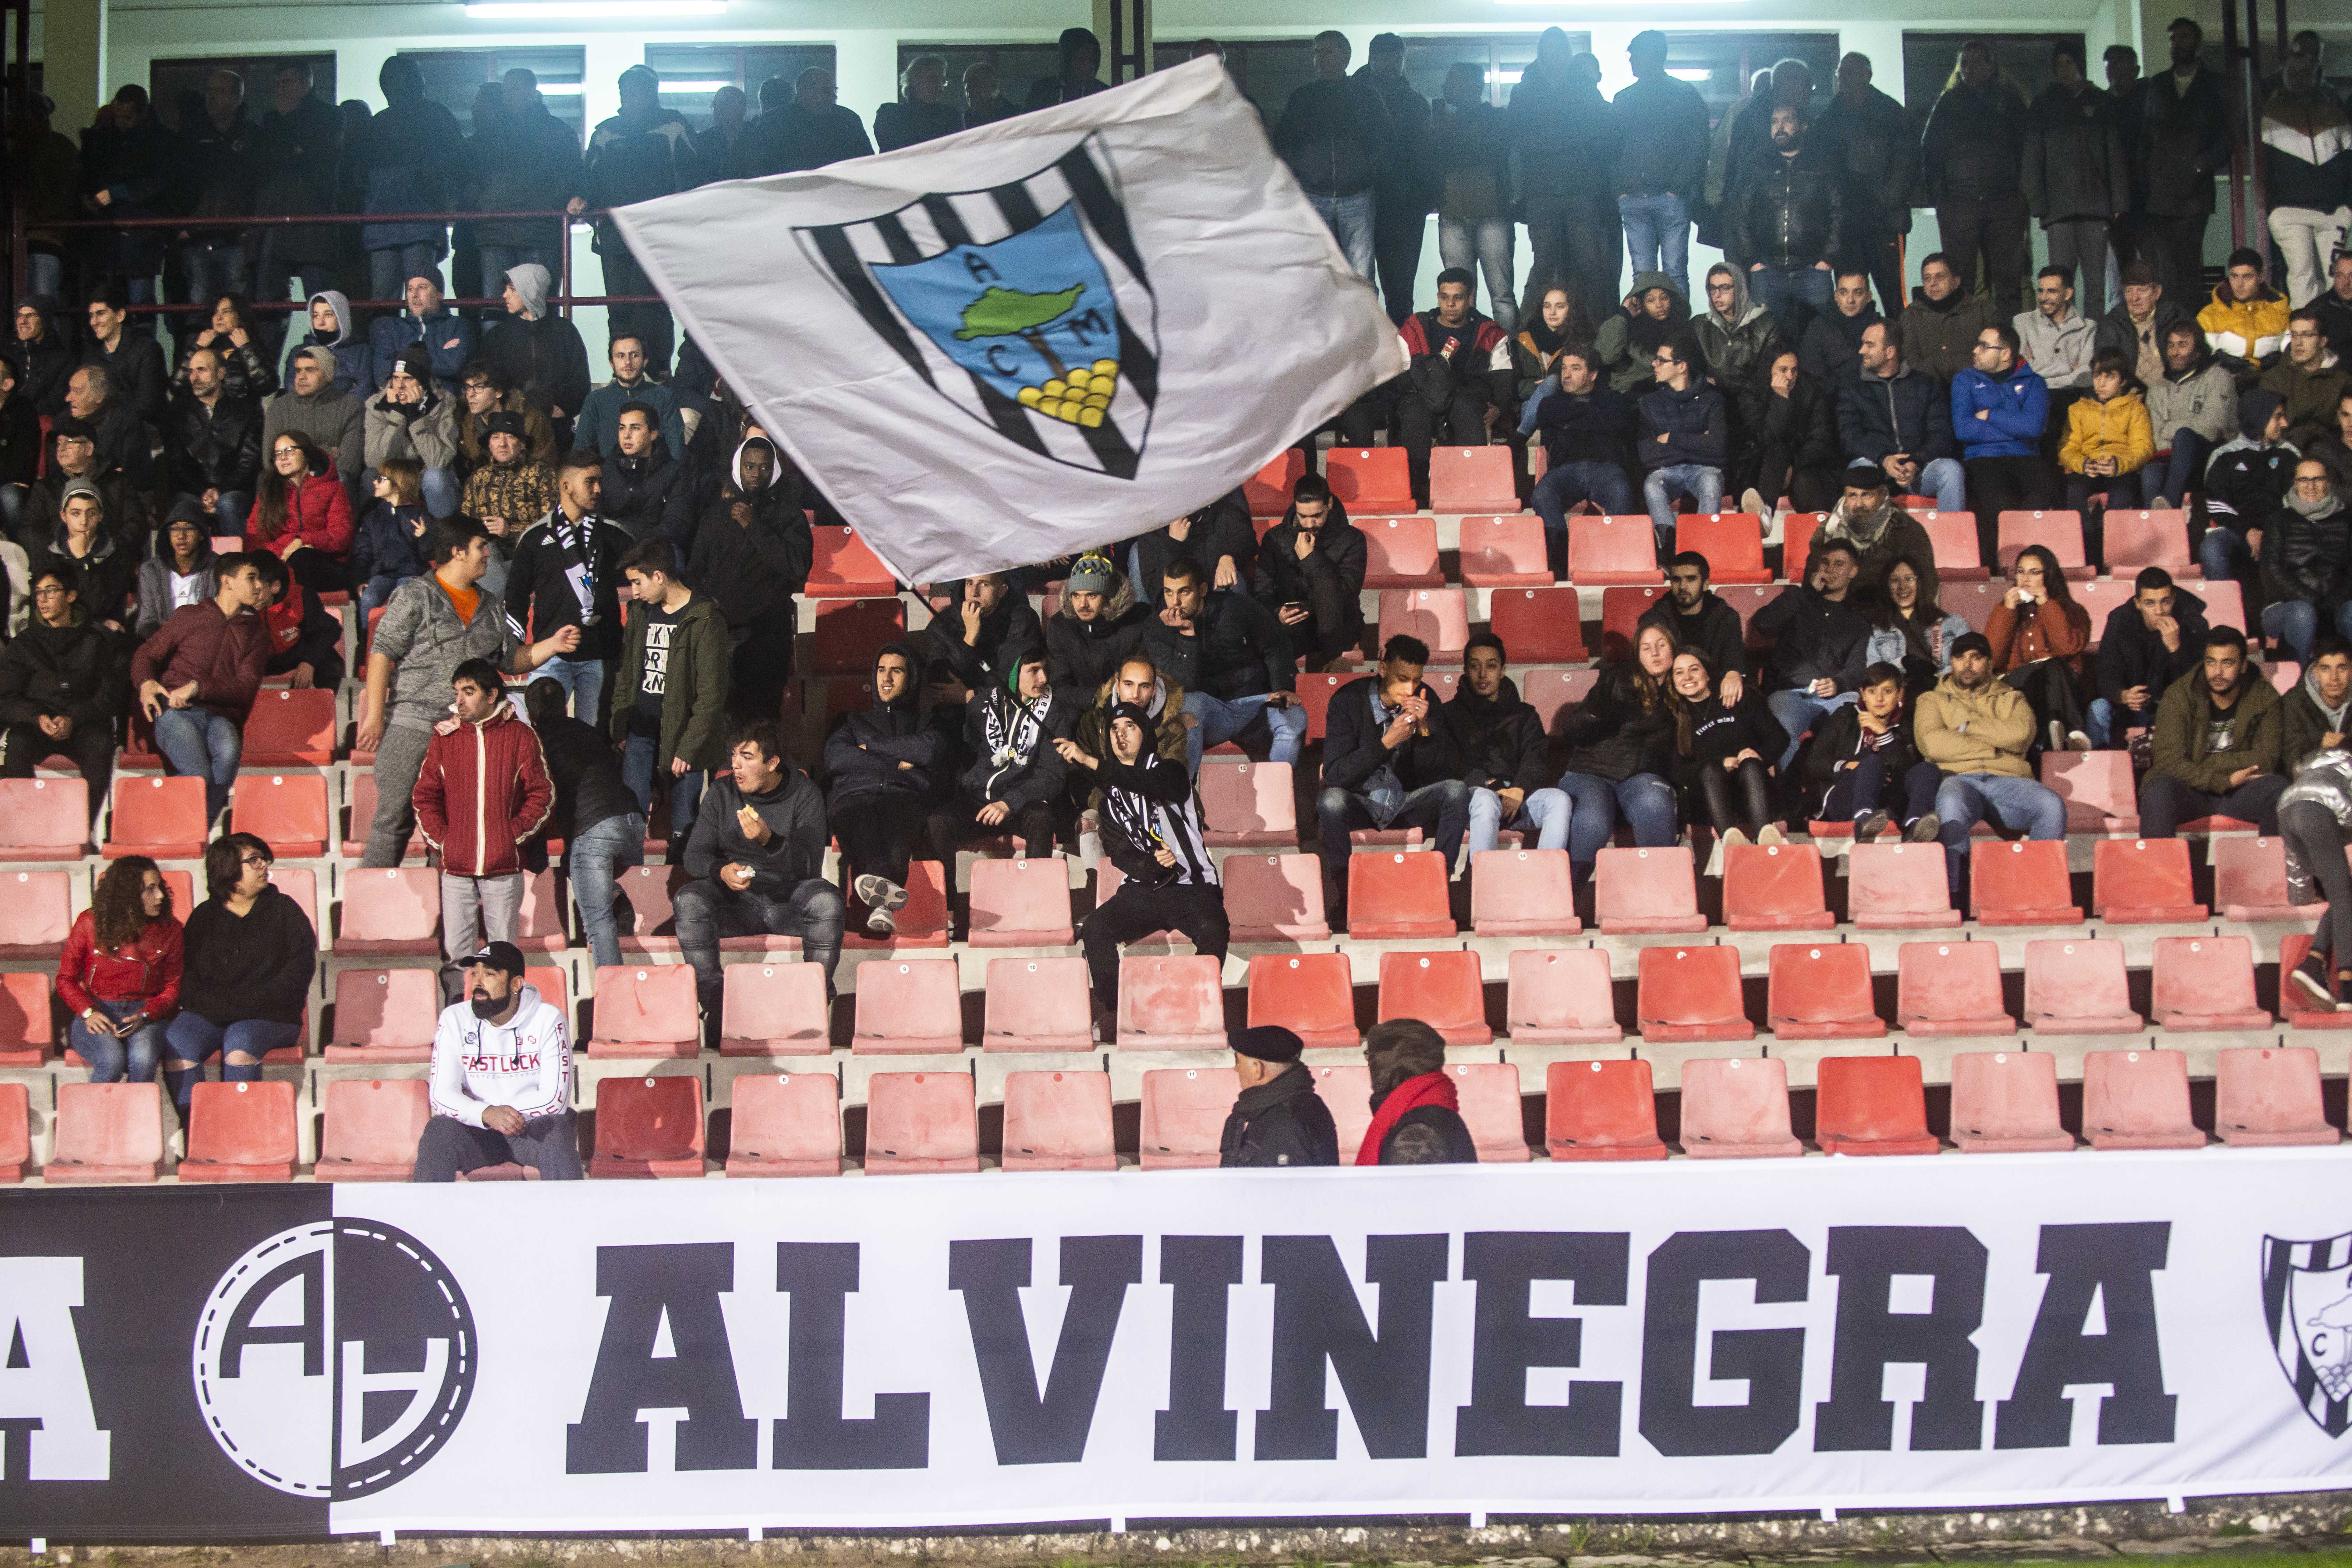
(1232, 659)
(130, 167)
(881, 766)
(2146, 646)
(1867, 134)
(1416, 1113)
(1620, 742)
(981, 641)
(1500, 742)
(1722, 754)
(923, 112)
(1098, 627)
(41, 355)
(212, 444)
(1692, 616)
(1819, 644)
(1861, 756)
(250, 954)
(1788, 440)
(1310, 574)
(20, 443)
(1278, 1121)
(1972, 168)
(645, 492)
(1151, 832)
(1014, 778)
(753, 549)
(1389, 761)
(63, 680)
(1218, 538)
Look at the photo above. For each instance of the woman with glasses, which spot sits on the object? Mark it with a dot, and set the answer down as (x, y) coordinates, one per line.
(120, 972)
(247, 978)
(303, 515)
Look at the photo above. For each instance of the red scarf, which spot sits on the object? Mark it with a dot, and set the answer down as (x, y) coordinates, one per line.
(1429, 1088)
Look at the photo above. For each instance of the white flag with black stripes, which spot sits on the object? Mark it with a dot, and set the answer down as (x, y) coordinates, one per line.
(1043, 335)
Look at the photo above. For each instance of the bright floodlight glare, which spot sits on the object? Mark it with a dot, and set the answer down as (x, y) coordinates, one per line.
(591, 10)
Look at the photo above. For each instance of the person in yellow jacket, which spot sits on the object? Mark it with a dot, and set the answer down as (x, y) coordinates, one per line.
(1978, 731)
(2109, 439)
(2245, 324)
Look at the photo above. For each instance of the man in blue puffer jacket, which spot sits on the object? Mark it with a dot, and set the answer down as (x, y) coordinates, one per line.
(1999, 410)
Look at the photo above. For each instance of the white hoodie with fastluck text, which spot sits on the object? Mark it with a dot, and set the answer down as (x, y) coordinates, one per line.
(524, 1063)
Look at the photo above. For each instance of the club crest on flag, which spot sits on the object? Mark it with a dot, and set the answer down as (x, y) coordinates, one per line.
(2307, 1296)
(1026, 304)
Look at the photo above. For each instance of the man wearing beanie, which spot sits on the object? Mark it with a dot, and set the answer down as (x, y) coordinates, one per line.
(1416, 1115)
(501, 1079)
(414, 417)
(1279, 1121)
(2246, 483)
(1098, 627)
(427, 323)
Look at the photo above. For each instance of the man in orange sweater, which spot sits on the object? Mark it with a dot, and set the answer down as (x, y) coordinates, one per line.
(482, 791)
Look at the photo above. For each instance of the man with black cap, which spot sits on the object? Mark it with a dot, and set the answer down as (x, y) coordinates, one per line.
(1151, 831)
(1278, 1118)
(1416, 1114)
(501, 1081)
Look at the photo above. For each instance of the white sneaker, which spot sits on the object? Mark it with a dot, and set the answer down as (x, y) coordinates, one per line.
(2077, 741)
(2057, 736)
(1732, 835)
(1771, 834)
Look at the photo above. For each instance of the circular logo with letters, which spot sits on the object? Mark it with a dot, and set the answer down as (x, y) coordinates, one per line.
(334, 1359)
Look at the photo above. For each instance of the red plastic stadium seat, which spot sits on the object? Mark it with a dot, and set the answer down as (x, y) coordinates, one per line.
(1314, 691)
(286, 811)
(918, 1123)
(1973, 601)
(2075, 986)
(1312, 995)
(1612, 550)
(1954, 535)
(1774, 886)
(1747, 599)
(1171, 1003)
(649, 1127)
(394, 912)
(850, 632)
(1274, 898)
(46, 819)
(2022, 883)
(1243, 804)
(1347, 1094)
(1621, 610)
(1737, 1109)
(1690, 994)
(653, 927)
(1537, 626)
(15, 1132)
(2100, 599)
(1399, 894)
(2225, 604)
(1368, 481)
(2206, 984)
(106, 1132)
(1504, 552)
(2006, 1103)
(1438, 616)
(2097, 787)
(36, 913)
(2293, 1006)
(1399, 551)
(1488, 1093)
(1551, 692)
(360, 812)
(2286, 675)
(1950, 988)
(1442, 990)
(1269, 490)
(2131, 541)
(240, 1132)
(845, 567)
(2060, 533)
(1646, 891)
(785, 1124)
(2143, 881)
(2137, 1099)
(384, 1016)
(1821, 992)
(541, 918)
(1039, 1005)
(1732, 542)
(1797, 531)
(2267, 1096)
(290, 729)
(1183, 1117)
(909, 1006)
(373, 1128)
(1023, 902)
(922, 923)
(1871, 1105)
(1602, 1111)
(1522, 892)
(1898, 886)
(1561, 996)
(645, 1012)
(773, 1010)
(1472, 479)
(1057, 1121)
(161, 818)
(2249, 880)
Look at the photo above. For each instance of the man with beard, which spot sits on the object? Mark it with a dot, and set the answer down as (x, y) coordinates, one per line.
(1013, 784)
(1788, 220)
(1831, 348)
(1501, 741)
(501, 1083)
(1694, 618)
(1310, 573)
(1459, 379)
(1880, 532)
(2217, 744)
(1977, 731)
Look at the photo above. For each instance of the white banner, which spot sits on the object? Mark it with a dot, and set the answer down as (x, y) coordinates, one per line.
(1041, 335)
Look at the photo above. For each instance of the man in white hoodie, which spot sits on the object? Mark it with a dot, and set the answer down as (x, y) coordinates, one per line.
(501, 1085)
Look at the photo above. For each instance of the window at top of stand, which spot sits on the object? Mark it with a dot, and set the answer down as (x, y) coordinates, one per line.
(1929, 60)
(692, 74)
(1267, 70)
(170, 82)
(455, 79)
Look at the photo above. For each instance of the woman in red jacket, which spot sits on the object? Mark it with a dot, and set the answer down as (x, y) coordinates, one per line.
(121, 972)
(302, 515)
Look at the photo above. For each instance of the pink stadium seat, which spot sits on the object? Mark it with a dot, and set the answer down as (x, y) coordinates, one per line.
(2293, 1006)
(1552, 692)
(1821, 992)
(290, 729)
(371, 1129)
(1489, 1096)
(649, 1127)
(1954, 535)
(1314, 691)
(1621, 610)
(2100, 794)
(1747, 599)
(2133, 539)
(1732, 542)
(1898, 886)
(850, 632)
(1057, 1121)
(1399, 551)
(2143, 881)
(1368, 481)
(1690, 994)
(1347, 1094)
(106, 1132)
(384, 1016)
(1438, 616)
(2286, 675)
(909, 1006)
(1039, 1005)
(1774, 886)
(161, 818)
(2249, 880)
(1024, 902)
(2101, 599)
(541, 918)
(785, 1124)
(1973, 601)
(1504, 552)
(1537, 626)
(2137, 1099)
(1472, 479)
(652, 925)
(845, 567)
(1312, 995)
(1559, 997)
(1950, 988)
(1440, 989)
(1174, 1002)
(15, 1133)
(1274, 898)
(391, 912)
(1871, 1105)
(1183, 1117)
(2023, 883)
(645, 1012)
(1612, 550)
(1602, 1111)
(2006, 1103)
(240, 1132)
(1246, 803)
(918, 1123)
(1269, 490)
(1400, 894)
(2225, 604)
(46, 819)
(773, 1010)
(360, 812)
(2268, 1097)
(2075, 986)
(1737, 1109)
(1522, 892)
(35, 916)
(922, 923)
(1797, 530)
(1646, 891)
(2206, 984)
(2060, 533)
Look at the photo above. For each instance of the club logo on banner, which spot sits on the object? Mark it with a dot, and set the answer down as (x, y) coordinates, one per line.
(2308, 1293)
(1026, 305)
(334, 1359)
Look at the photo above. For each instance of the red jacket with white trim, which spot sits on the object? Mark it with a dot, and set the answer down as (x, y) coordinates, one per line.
(483, 790)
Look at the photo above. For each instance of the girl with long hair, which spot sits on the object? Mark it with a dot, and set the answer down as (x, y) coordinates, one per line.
(2039, 639)
(1724, 754)
(301, 514)
(1907, 629)
(1620, 747)
(120, 972)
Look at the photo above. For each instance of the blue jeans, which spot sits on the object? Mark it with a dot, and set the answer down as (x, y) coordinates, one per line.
(1349, 218)
(637, 773)
(1793, 297)
(212, 270)
(230, 512)
(2223, 554)
(1702, 484)
(1942, 478)
(593, 859)
(1486, 244)
(1797, 710)
(1442, 811)
(389, 269)
(1221, 720)
(375, 591)
(1646, 800)
(2168, 475)
(201, 743)
(2298, 623)
(1963, 800)
(1657, 239)
(193, 1039)
(1545, 810)
(113, 1060)
(583, 678)
(1605, 485)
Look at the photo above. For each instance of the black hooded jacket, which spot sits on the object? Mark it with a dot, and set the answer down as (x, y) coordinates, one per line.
(752, 571)
(212, 448)
(1329, 580)
(1006, 632)
(643, 496)
(2131, 655)
(79, 671)
(1237, 649)
(1353, 752)
(1610, 735)
(1816, 638)
(1499, 739)
(863, 753)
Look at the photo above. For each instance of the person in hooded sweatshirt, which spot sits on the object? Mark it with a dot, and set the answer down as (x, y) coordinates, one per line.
(501, 1078)
(63, 680)
(1653, 315)
(540, 349)
(751, 553)
(2318, 714)
(1139, 681)
(182, 571)
(1736, 337)
(880, 763)
(1151, 831)
(1097, 627)
(1416, 1113)
(2192, 408)
(757, 858)
(1500, 741)
(1015, 780)
(333, 329)
(1081, 54)
(1278, 1121)
(2246, 486)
